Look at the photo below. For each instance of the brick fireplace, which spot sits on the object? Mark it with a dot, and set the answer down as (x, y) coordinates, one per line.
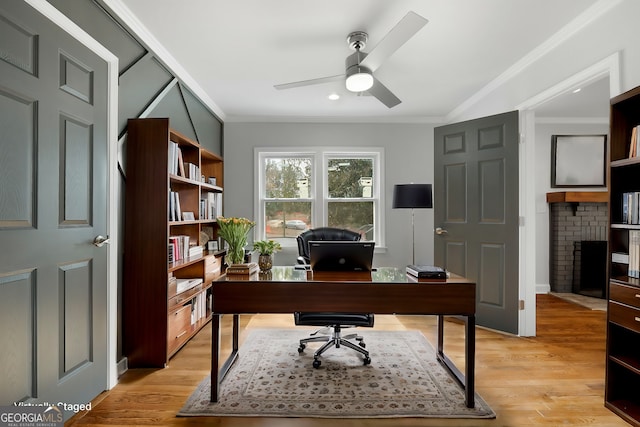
(578, 224)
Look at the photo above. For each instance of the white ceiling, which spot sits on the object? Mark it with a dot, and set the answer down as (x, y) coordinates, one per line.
(237, 50)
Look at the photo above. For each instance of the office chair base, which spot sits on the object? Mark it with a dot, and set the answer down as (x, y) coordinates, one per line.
(335, 340)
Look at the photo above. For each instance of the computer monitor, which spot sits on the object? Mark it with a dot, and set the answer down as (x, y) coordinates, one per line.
(340, 255)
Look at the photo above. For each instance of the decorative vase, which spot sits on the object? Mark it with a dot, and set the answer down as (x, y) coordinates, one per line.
(236, 254)
(265, 262)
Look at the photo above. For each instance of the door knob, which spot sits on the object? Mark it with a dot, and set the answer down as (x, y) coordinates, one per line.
(440, 231)
(99, 241)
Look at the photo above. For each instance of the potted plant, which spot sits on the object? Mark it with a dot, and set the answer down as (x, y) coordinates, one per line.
(266, 249)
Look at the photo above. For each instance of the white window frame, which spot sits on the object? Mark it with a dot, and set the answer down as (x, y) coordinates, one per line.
(318, 191)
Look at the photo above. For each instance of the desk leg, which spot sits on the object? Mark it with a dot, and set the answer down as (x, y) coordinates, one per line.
(466, 381)
(218, 374)
(470, 360)
(215, 356)
(440, 335)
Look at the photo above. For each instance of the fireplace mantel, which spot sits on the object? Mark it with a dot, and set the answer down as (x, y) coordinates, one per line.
(578, 197)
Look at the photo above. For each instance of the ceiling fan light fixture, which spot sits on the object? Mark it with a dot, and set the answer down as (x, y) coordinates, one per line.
(359, 80)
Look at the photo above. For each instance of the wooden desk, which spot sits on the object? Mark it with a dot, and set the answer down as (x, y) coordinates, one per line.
(384, 291)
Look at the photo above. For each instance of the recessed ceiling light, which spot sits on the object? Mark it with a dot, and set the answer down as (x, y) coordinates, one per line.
(577, 90)
(334, 97)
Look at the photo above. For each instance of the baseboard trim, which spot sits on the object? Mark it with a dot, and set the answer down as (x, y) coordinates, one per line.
(543, 288)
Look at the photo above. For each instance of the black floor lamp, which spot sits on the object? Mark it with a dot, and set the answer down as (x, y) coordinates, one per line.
(413, 196)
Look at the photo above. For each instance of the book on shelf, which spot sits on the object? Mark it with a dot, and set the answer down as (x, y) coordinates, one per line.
(193, 171)
(620, 257)
(175, 212)
(171, 255)
(633, 144)
(631, 207)
(198, 308)
(218, 205)
(208, 206)
(195, 251)
(243, 269)
(180, 247)
(430, 272)
(634, 254)
(171, 160)
(180, 163)
(175, 163)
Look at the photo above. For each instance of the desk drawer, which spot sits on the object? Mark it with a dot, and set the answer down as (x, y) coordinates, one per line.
(179, 326)
(624, 315)
(629, 295)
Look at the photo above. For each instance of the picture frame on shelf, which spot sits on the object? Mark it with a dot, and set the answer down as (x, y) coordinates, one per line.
(578, 161)
(188, 216)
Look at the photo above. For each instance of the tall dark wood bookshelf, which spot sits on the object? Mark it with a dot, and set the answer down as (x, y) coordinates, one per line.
(159, 318)
(622, 388)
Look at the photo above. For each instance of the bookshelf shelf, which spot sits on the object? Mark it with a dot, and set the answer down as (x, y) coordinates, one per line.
(623, 329)
(167, 271)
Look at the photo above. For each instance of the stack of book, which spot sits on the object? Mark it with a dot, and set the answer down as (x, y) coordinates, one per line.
(631, 207)
(180, 247)
(242, 269)
(186, 284)
(426, 273)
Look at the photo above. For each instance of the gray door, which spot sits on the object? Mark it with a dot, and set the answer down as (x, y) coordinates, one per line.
(53, 178)
(476, 212)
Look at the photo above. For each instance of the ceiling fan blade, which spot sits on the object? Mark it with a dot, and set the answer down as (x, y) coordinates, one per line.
(383, 94)
(399, 35)
(310, 82)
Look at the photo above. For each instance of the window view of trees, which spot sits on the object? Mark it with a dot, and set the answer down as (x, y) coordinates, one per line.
(289, 195)
(349, 181)
(287, 180)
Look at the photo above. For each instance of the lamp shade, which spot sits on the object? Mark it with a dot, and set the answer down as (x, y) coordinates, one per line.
(412, 196)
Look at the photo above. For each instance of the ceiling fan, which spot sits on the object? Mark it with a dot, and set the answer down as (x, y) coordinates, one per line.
(360, 66)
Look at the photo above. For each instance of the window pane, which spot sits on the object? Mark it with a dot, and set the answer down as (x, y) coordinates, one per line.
(286, 219)
(356, 216)
(349, 178)
(287, 178)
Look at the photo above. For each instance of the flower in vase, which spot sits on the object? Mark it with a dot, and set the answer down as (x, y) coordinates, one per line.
(234, 231)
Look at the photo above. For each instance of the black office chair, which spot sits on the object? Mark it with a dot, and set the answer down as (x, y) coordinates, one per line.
(321, 233)
(333, 321)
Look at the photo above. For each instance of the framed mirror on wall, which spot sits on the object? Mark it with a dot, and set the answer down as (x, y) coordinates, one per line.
(578, 160)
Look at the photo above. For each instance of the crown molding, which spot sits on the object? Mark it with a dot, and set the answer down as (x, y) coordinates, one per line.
(587, 17)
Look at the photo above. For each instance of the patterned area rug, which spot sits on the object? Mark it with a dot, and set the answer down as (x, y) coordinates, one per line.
(270, 379)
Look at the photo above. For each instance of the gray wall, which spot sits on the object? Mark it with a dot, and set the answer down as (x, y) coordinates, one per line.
(408, 158)
(544, 131)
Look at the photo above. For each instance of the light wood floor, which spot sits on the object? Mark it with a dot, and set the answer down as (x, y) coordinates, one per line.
(556, 378)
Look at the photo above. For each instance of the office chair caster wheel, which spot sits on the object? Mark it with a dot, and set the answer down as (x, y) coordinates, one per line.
(362, 344)
(301, 348)
(316, 363)
(367, 361)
